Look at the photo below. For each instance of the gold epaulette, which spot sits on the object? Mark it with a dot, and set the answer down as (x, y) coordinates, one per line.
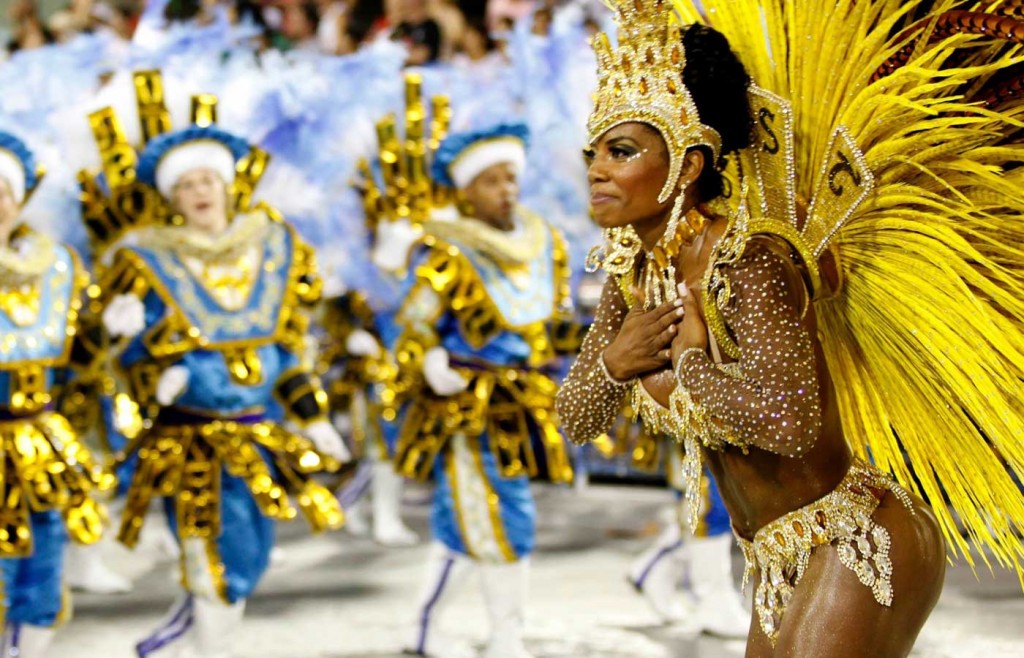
(452, 276)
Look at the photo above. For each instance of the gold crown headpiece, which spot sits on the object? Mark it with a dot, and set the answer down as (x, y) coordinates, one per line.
(641, 80)
(407, 191)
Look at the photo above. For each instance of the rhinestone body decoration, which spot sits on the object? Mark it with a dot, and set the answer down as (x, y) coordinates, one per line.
(782, 549)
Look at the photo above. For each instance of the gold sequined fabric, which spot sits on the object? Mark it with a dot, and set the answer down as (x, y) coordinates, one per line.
(186, 461)
(44, 466)
(781, 550)
(507, 403)
(774, 403)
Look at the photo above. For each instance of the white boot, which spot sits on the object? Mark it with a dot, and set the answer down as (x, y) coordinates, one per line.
(216, 623)
(505, 588)
(26, 640)
(446, 573)
(86, 571)
(657, 572)
(172, 634)
(720, 609)
(388, 529)
(357, 520)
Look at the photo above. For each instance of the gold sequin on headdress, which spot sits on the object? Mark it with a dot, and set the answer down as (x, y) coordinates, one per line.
(640, 79)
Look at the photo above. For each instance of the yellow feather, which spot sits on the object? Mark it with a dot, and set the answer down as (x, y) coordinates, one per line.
(926, 341)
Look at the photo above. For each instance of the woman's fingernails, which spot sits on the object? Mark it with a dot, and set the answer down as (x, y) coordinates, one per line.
(678, 302)
(680, 312)
(684, 292)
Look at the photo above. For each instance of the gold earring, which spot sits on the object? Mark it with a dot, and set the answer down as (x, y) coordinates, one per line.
(618, 253)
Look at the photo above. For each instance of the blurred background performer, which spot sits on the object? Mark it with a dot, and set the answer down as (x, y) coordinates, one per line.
(212, 312)
(47, 478)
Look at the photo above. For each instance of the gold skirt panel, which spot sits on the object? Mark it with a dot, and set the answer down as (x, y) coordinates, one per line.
(505, 403)
(44, 466)
(184, 461)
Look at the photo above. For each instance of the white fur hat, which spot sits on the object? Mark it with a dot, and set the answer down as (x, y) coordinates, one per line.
(199, 154)
(487, 153)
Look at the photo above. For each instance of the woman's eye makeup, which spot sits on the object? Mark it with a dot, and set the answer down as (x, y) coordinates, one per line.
(588, 155)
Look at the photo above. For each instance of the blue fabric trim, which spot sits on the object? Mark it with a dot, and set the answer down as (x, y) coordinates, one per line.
(245, 540)
(456, 143)
(32, 585)
(19, 150)
(158, 147)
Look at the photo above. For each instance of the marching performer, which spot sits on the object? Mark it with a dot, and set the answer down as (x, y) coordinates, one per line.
(47, 477)
(210, 309)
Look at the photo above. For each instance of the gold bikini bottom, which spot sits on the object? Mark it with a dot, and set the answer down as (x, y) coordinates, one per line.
(782, 549)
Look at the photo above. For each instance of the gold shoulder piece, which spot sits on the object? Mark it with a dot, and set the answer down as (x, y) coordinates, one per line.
(444, 267)
(844, 182)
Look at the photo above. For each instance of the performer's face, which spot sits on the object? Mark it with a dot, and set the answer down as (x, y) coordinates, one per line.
(201, 197)
(628, 166)
(493, 195)
(8, 210)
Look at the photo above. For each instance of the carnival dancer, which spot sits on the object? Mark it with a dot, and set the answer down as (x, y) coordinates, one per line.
(486, 284)
(809, 324)
(212, 313)
(485, 290)
(48, 478)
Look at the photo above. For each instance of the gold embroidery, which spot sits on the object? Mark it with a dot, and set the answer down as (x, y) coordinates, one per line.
(44, 466)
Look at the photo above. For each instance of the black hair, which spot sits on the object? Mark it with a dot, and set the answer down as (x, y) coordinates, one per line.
(362, 18)
(718, 85)
(182, 10)
(312, 13)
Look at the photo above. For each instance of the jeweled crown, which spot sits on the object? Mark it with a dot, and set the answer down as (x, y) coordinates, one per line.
(640, 79)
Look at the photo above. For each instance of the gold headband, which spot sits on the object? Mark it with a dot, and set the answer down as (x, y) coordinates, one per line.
(641, 80)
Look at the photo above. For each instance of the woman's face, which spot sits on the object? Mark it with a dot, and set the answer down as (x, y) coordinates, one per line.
(8, 210)
(201, 197)
(627, 170)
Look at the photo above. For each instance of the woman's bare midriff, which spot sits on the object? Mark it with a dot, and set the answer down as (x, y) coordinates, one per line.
(760, 486)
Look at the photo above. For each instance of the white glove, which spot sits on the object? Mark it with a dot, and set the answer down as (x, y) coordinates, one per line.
(125, 315)
(327, 440)
(362, 343)
(394, 239)
(439, 375)
(171, 385)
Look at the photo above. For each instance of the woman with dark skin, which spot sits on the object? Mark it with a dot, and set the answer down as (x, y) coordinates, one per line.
(790, 459)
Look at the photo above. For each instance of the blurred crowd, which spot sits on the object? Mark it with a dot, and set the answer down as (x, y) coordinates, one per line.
(455, 31)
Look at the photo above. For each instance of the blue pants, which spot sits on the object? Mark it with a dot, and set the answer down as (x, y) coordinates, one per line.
(476, 512)
(31, 586)
(246, 537)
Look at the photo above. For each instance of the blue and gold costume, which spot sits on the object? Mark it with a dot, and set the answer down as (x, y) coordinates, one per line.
(47, 476)
(474, 344)
(214, 361)
(491, 301)
(240, 341)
